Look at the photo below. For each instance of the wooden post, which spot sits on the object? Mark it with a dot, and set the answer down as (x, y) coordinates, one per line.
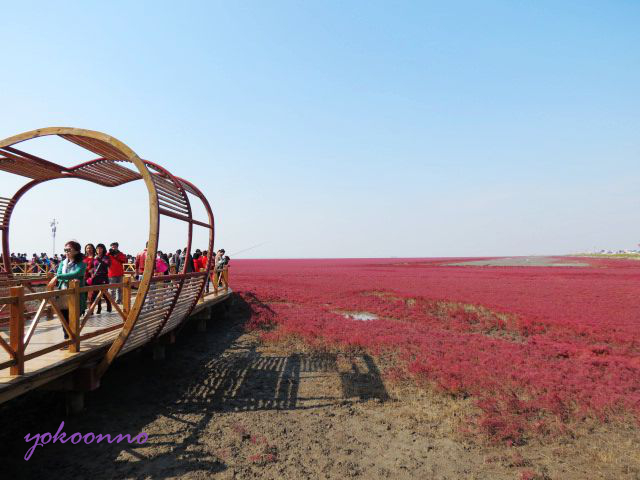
(16, 330)
(74, 314)
(225, 279)
(49, 310)
(126, 294)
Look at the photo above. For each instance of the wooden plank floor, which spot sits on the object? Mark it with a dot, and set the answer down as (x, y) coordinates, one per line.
(54, 364)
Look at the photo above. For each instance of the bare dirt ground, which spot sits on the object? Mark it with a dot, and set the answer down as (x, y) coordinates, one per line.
(222, 405)
(532, 261)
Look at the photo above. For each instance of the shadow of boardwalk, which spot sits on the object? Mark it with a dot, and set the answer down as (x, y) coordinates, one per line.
(252, 381)
(204, 375)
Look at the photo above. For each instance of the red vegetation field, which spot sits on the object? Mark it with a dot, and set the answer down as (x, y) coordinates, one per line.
(537, 348)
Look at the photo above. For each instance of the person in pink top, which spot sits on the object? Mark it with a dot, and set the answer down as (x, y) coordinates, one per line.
(161, 265)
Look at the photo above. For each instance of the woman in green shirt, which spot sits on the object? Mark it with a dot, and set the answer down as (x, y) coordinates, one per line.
(71, 268)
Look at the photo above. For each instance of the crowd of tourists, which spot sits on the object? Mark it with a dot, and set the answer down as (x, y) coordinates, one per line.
(37, 263)
(95, 265)
(181, 261)
(166, 263)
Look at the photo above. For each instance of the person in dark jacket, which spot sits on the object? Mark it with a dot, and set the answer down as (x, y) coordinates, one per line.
(100, 275)
(188, 267)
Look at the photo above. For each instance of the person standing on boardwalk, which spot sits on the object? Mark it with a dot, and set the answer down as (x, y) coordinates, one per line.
(172, 264)
(100, 275)
(165, 258)
(71, 268)
(33, 264)
(89, 253)
(116, 271)
(219, 255)
(196, 260)
(186, 262)
(141, 258)
(204, 258)
(219, 265)
(177, 257)
(162, 266)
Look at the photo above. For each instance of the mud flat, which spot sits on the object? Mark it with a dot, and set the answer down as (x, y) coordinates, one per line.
(223, 405)
(534, 261)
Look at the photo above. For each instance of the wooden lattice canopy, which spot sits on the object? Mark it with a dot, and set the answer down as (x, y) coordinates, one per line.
(160, 306)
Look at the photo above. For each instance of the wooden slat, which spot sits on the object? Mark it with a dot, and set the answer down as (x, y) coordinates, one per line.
(7, 348)
(107, 286)
(90, 309)
(5, 204)
(114, 304)
(8, 300)
(7, 364)
(29, 297)
(60, 317)
(184, 218)
(105, 172)
(34, 323)
(26, 165)
(51, 348)
(30, 156)
(96, 146)
(188, 187)
(102, 331)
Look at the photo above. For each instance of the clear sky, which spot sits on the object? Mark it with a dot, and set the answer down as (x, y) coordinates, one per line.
(339, 129)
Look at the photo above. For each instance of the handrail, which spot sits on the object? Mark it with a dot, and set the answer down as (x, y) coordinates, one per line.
(18, 340)
(26, 268)
(221, 278)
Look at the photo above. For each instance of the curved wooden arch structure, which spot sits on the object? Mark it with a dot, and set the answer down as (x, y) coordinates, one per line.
(162, 303)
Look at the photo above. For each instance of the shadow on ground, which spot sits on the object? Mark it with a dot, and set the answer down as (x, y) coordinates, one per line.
(204, 373)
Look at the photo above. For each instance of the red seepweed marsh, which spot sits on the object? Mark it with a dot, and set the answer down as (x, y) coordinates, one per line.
(534, 347)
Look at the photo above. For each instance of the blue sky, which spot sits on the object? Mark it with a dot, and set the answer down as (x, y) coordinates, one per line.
(340, 129)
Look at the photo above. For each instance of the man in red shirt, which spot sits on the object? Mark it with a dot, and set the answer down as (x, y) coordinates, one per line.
(116, 271)
(203, 259)
(141, 258)
(203, 264)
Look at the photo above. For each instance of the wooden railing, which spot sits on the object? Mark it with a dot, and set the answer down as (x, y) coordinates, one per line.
(220, 279)
(31, 285)
(18, 340)
(42, 269)
(22, 269)
(22, 292)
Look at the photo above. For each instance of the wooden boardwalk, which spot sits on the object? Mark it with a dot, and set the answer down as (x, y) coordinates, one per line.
(31, 349)
(57, 363)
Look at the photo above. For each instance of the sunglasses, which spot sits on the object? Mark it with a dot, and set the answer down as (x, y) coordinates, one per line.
(67, 250)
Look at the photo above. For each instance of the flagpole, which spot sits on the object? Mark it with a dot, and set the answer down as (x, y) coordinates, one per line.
(53, 225)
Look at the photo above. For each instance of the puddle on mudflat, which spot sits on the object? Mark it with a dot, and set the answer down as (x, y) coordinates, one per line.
(364, 316)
